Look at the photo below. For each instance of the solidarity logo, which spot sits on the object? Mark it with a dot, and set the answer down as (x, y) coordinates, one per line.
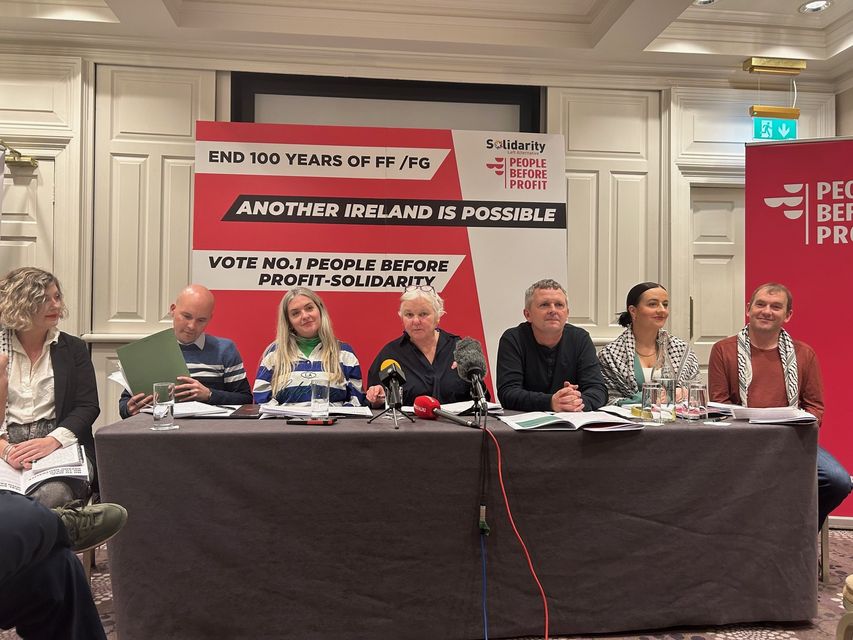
(793, 200)
(498, 166)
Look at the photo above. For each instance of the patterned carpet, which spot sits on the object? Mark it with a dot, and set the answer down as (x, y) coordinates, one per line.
(822, 627)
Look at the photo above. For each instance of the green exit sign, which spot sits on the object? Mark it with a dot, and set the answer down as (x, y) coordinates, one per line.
(774, 129)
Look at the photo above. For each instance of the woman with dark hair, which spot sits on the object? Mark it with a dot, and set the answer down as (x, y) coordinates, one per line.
(305, 345)
(49, 382)
(629, 361)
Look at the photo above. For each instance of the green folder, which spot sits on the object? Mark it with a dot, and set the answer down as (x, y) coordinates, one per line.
(156, 358)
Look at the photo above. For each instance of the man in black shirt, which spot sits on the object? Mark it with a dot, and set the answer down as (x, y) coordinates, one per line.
(545, 364)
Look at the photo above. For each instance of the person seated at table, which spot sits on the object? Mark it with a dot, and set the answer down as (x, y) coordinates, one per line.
(216, 368)
(52, 397)
(628, 361)
(44, 591)
(424, 353)
(546, 364)
(306, 344)
(763, 366)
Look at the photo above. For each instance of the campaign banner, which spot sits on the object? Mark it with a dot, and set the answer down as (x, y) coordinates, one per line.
(360, 213)
(799, 232)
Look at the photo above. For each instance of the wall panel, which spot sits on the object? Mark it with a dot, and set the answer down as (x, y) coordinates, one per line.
(613, 168)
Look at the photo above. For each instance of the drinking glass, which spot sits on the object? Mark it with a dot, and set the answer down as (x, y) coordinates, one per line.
(650, 400)
(164, 406)
(320, 398)
(666, 400)
(697, 401)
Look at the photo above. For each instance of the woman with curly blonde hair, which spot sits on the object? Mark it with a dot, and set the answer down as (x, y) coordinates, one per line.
(49, 382)
(305, 344)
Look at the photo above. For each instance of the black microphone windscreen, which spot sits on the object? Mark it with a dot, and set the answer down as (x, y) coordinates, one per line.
(389, 370)
(469, 358)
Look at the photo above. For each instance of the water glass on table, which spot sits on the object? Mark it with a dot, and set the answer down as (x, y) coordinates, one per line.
(320, 398)
(164, 406)
(651, 400)
(666, 400)
(697, 401)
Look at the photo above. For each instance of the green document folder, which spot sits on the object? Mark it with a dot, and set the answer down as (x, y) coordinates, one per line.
(157, 358)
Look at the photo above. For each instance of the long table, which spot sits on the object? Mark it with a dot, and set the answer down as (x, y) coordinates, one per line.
(256, 529)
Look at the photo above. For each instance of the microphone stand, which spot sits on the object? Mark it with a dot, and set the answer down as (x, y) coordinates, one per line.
(481, 407)
(394, 414)
(392, 404)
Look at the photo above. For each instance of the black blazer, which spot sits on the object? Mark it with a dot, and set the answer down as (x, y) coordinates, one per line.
(75, 390)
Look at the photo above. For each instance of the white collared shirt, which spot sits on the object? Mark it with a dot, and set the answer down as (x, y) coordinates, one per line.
(199, 342)
(31, 390)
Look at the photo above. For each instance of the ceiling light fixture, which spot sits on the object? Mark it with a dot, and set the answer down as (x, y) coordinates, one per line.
(704, 3)
(815, 7)
(775, 66)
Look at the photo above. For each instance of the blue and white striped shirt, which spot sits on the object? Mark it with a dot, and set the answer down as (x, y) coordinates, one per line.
(298, 387)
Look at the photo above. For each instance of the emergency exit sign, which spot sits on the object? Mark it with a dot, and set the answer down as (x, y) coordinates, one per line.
(774, 129)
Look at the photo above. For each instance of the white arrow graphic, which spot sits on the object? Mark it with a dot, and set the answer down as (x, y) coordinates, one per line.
(784, 130)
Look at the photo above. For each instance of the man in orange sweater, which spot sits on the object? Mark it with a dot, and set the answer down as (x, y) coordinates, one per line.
(762, 366)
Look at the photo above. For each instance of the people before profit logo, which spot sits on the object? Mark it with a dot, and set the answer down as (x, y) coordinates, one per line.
(788, 201)
(497, 166)
(833, 209)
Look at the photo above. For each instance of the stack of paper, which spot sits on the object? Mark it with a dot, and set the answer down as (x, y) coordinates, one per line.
(193, 409)
(304, 411)
(773, 415)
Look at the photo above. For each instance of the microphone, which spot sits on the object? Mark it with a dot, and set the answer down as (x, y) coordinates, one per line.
(428, 408)
(471, 366)
(391, 376)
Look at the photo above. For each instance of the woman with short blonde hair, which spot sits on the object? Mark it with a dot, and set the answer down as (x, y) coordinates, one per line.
(49, 382)
(424, 352)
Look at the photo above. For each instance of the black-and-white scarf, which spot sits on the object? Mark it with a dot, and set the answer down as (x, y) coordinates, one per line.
(617, 363)
(789, 366)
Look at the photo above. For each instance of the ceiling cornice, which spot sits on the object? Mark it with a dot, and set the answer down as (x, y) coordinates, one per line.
(376, 63)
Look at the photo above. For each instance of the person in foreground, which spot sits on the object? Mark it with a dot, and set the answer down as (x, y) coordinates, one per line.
(52, 397)
(44, 591)
(628, 361)
(305, 345)
(762, 366)
(424, 352)
(545, 364)
(216, 369)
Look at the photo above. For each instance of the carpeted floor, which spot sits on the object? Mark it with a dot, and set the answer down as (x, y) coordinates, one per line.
(822, 627)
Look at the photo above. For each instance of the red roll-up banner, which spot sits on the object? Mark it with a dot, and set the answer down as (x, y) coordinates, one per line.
(799, 232)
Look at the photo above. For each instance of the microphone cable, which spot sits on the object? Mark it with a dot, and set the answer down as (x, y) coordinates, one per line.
(483, 525)
(485, 607)
(515, 529)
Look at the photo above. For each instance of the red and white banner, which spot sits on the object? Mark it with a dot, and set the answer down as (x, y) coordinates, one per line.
(799, 231)
(359, 213)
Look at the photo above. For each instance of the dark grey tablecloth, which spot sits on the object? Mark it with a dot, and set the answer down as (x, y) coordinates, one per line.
(257, 529)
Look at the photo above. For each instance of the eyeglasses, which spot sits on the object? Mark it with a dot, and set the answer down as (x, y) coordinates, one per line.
(420, 287)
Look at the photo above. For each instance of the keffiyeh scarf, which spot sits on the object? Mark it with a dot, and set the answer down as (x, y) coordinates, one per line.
(617, 363)
(789, 366)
